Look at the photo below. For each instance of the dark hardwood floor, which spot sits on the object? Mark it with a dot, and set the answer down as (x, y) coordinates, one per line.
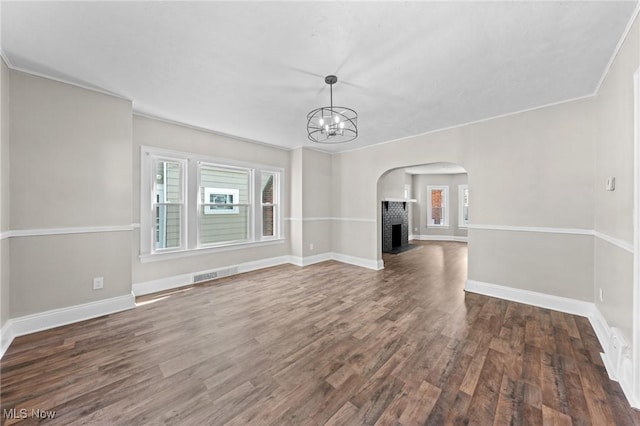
(327, 344)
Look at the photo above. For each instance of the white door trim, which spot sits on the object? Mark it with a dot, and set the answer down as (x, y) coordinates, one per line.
(635, 339)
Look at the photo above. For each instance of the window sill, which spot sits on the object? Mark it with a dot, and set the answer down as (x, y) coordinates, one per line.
(437, 226)
(158, 257)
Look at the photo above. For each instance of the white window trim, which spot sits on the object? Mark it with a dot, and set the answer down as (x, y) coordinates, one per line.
(445, 189)
(461, 189)
(191, 197)
(148, 158)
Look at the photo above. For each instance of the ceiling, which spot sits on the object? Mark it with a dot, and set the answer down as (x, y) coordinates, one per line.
(255, 69)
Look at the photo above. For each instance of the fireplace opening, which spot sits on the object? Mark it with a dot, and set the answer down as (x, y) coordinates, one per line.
(396, 236)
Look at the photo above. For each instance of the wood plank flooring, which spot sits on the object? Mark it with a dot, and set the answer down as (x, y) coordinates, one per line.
(327, 344)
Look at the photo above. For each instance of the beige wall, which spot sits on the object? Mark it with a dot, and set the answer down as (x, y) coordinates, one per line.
(550, 150)
(316, 191)
(310, 222)
(296, 197)
(70, 167)
(420, 193)
(391, 184)
(4, 194)
(160, 134)
(555, 264)
(613, 212)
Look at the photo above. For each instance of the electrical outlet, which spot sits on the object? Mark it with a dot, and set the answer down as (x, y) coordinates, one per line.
(611, 184)
(601, 294)
(98, 283)
(311, 246)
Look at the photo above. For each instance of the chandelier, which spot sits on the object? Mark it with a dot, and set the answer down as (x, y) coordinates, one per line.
(332, 124)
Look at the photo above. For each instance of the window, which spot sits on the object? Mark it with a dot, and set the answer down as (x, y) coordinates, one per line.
(225, 205)
(168, 204)
(220, 201)
(268, 187)
(463, 206)
(437, 206)
(199, 203)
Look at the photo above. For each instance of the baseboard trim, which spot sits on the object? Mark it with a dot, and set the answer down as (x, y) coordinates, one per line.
(376, 265)
(615, 351)
(6, 337)
(161, 284)
(28, 324)
(542, 300)
(423, 237)
(310, 260)
(182, 280)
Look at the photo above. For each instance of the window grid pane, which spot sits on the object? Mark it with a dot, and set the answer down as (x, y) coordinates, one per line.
(167, 207)
(168, 226)
(268, 206)
(465, 206)
(437, 208)
(224, 205)
(268, 230)
(220, 228)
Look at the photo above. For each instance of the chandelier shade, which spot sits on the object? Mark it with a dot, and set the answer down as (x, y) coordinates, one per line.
(332, 124)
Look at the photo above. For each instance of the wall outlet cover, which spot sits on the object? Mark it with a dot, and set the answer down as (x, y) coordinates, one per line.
(98, 283)
(611, 184)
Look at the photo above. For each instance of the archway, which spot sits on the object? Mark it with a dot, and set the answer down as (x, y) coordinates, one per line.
(426, 202)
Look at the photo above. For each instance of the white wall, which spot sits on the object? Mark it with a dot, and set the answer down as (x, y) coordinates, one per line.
(310, 221)
(70, 172)
(296, 199)
(316, 192)
(392, 184)
(4, 194)
(613, 210)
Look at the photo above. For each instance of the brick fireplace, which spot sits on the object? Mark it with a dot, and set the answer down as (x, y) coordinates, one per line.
(395, 225)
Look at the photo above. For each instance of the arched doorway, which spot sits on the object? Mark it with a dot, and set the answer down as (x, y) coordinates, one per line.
(427, 202)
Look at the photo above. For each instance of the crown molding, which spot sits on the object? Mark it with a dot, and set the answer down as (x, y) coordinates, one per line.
(614, 55)
(205, 130)
(470, 123)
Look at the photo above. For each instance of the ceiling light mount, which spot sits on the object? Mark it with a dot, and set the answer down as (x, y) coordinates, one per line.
(332, 124)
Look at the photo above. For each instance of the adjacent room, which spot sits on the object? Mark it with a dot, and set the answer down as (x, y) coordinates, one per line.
(320, 212)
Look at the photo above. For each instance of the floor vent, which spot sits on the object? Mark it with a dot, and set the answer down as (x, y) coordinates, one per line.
(207, 276)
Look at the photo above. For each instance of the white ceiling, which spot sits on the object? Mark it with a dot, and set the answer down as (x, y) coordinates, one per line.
(255, 69)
